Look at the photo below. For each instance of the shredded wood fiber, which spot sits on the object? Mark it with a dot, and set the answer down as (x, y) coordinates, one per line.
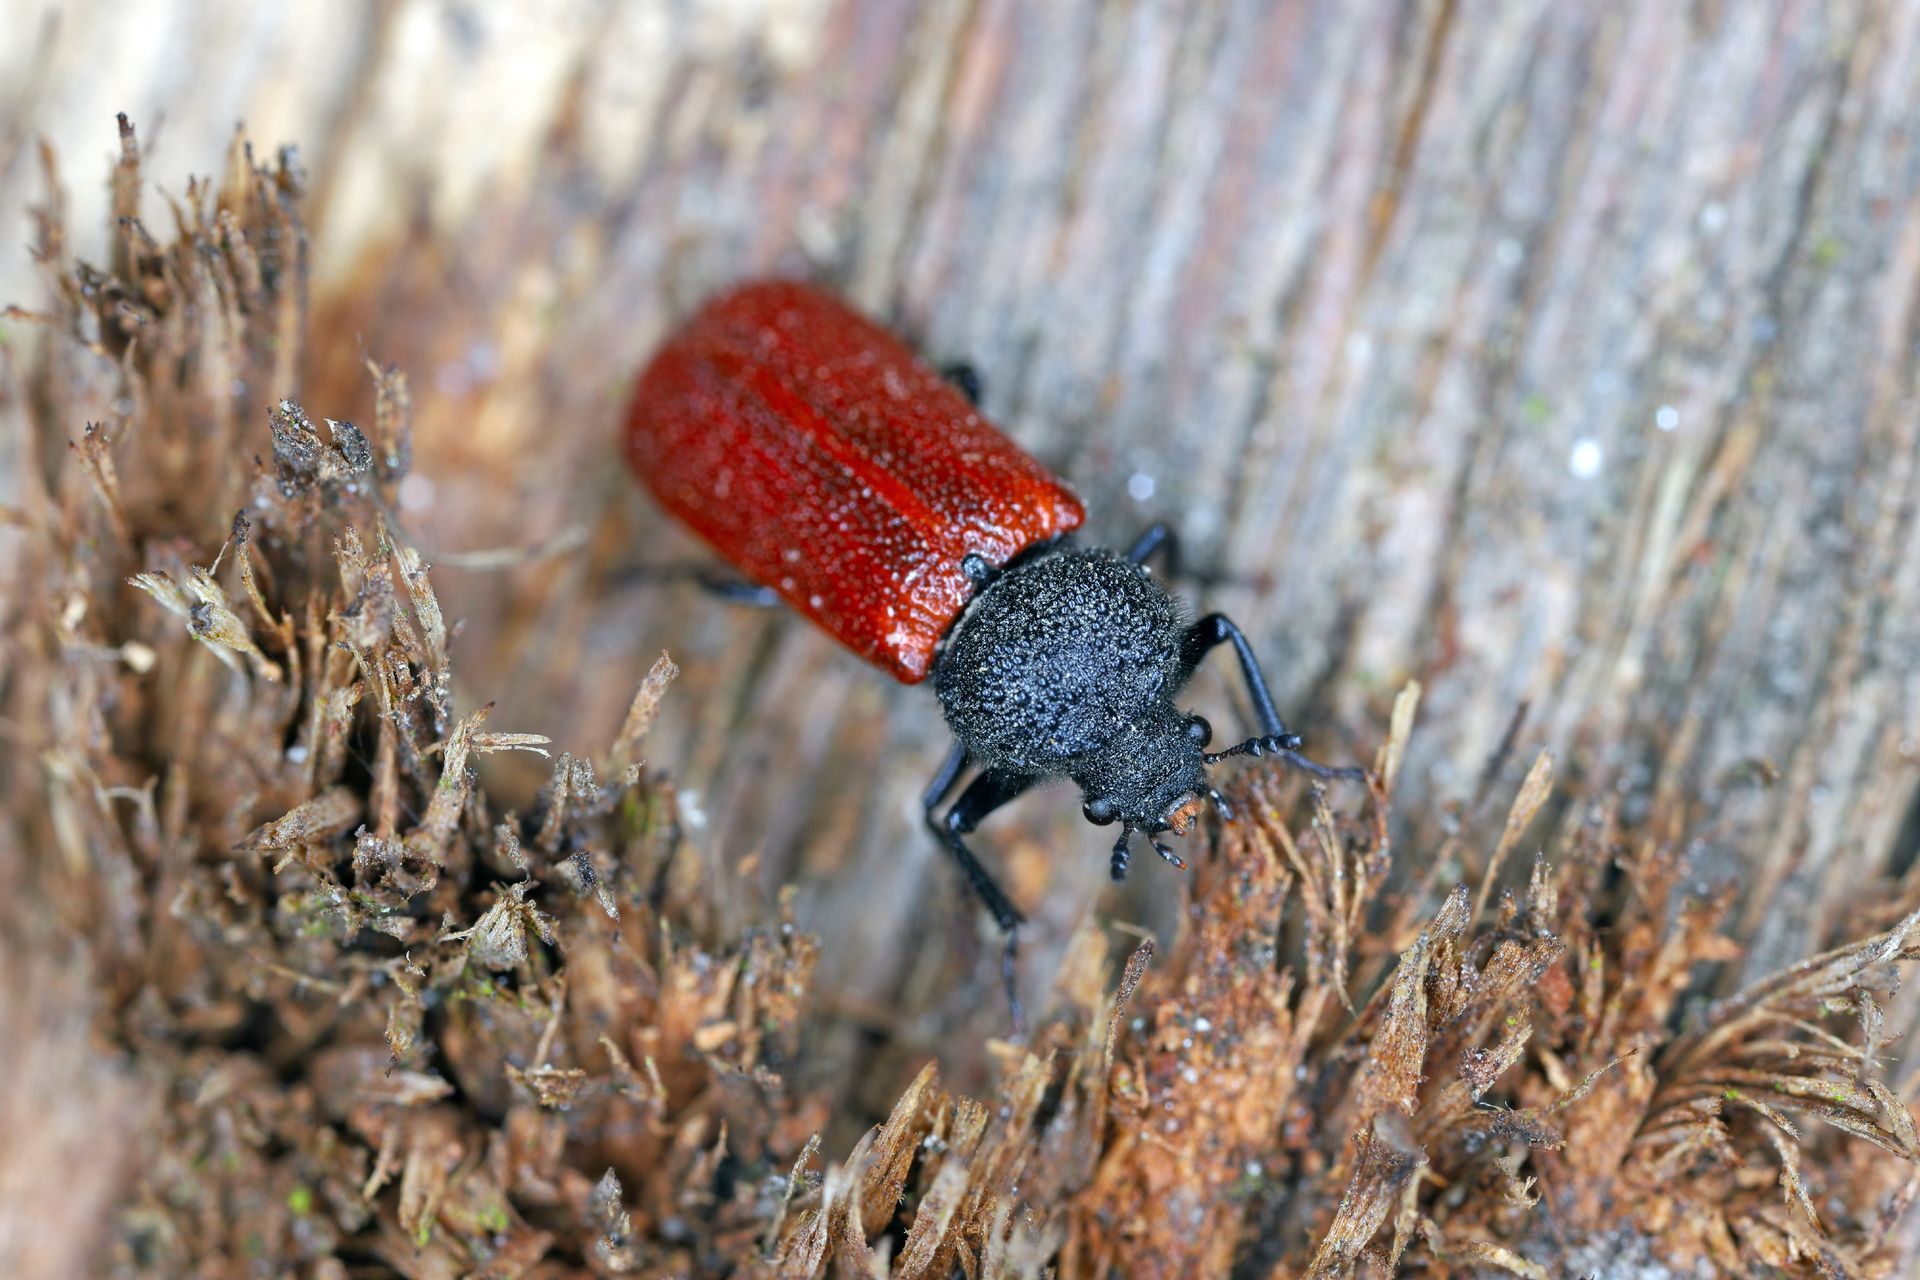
(383, 1021)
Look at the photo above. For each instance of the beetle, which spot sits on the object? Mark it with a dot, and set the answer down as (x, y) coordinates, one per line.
(825, 461)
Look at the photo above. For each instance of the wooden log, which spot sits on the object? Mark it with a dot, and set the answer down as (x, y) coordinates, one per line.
(1560, 356)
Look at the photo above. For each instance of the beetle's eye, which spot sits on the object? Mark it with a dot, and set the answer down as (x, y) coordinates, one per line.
(1098, 812)
(1199, 730)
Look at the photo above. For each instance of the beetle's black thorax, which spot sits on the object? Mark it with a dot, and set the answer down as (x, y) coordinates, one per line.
(1067, 663)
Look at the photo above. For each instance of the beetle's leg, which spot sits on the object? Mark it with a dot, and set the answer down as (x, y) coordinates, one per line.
(1161, 537)
(942, 783)
(736, 591)
(709, 580)
(983, 795)
(965, 379)
(1216, 629)
(1158, 536)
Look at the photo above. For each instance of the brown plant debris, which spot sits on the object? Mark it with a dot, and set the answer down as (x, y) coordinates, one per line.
(385, 1022)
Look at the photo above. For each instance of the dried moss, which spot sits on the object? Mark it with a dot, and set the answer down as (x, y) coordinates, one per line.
(386, 1022)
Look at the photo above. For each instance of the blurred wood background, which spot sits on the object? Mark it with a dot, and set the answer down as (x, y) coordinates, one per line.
(1561, 356)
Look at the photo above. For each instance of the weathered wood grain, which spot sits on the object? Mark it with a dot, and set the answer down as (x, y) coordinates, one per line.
(1558, 355)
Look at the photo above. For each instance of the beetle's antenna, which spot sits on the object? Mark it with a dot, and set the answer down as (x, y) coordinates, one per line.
(1121, 855)
(1283, 746)
(1266, 744)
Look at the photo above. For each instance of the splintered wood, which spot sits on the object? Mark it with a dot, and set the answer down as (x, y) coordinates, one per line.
(388, 1008)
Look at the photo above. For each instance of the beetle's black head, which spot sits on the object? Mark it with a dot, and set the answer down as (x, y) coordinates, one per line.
(1151, 778)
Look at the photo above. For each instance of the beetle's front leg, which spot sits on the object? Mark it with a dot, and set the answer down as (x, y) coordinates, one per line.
(983, 795)
(1217, 629)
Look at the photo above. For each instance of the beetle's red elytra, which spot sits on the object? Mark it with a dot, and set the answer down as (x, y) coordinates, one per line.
(811, 449)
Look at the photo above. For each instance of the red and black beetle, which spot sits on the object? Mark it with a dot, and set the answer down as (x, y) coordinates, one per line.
(843, 475)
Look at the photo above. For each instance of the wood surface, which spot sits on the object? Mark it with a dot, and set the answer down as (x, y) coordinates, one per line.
(1560, 356)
